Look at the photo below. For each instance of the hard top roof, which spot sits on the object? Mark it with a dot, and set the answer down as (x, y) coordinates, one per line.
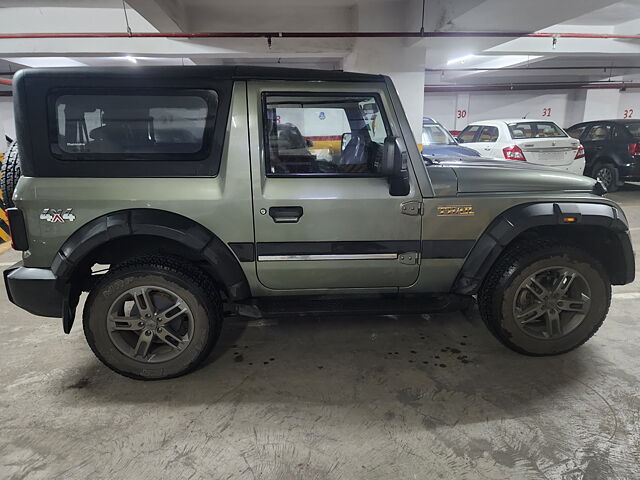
(220, 72)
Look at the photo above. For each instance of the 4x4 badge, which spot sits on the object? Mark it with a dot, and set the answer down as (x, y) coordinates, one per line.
(57, 216)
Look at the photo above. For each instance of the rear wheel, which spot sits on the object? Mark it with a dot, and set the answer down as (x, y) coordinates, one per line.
(10, 174)
(607, 173)
(152, 319)
(544, 298)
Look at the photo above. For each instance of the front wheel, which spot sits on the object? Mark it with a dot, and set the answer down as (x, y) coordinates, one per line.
(543, 298)
(152, 319)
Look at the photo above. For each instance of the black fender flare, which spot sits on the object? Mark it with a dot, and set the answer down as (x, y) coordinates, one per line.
(159, 223)
(516, 220)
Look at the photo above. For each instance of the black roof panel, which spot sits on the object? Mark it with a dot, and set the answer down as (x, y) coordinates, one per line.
(200, 71)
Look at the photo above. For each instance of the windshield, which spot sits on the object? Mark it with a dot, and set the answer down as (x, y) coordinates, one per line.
(535, 130)
(436, 135)
(633, 128)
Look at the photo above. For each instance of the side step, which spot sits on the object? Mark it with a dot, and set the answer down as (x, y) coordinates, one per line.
(270, 307)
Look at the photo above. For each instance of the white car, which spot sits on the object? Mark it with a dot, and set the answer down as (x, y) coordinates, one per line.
(536, 141)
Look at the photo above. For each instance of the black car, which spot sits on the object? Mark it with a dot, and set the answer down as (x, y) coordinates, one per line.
(612, 150)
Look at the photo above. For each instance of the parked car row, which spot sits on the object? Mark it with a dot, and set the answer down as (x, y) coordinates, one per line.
(608, 150)
(612, 149)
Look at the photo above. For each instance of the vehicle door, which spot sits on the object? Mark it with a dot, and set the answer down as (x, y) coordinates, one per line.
(595, 141)
(486, 141)
(469, 138)
(620, 140)
(324, 217)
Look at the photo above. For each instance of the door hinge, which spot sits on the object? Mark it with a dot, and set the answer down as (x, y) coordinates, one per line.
(412, 208)
(408, 258)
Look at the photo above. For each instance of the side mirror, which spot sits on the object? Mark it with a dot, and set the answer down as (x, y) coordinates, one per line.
(394, 166)
(308, 142)
(346, 138)
(457, 139)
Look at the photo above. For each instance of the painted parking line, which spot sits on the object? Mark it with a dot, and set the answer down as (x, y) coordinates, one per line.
(626, 295)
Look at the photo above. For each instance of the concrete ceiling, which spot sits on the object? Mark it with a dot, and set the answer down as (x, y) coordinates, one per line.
(583, 16)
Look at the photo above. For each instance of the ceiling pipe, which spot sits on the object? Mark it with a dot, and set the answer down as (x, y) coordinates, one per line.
(271, 35)
(507, 69)
(529, 86)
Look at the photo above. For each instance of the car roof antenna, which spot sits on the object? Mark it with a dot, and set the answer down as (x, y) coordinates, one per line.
(525, 115)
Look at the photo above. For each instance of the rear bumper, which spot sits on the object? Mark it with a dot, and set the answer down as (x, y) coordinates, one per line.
(35, 290)
(630, 172)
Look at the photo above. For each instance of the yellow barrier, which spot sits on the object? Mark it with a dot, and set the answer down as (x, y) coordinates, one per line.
(4, 228)
(4, 222)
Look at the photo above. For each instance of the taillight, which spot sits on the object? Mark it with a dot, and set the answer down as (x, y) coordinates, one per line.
(18, 229)
(634, 148)
(513, 153)
(580, 152)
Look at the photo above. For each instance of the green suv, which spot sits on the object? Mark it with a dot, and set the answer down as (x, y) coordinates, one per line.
(174, 196)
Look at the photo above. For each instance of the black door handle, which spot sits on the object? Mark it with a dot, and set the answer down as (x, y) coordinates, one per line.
(286, 214)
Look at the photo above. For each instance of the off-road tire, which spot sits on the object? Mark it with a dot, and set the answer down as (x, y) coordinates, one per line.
(10, 174)
(190, 283)
(496, 296)
(614, 175)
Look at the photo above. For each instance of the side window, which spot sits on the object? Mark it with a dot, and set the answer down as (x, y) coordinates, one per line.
(576, 132)
(132, 126)
(619, 133)
(323, 134)
(468, 134)
(599, 132)
(488, 134)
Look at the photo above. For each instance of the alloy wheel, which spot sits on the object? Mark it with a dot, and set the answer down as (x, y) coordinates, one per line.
(605, 175)
(552, 302)
(150, 324)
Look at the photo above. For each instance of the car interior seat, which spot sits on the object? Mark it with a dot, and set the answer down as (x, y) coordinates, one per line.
(355, 154)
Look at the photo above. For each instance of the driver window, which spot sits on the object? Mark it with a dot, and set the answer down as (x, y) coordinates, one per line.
(323, 134)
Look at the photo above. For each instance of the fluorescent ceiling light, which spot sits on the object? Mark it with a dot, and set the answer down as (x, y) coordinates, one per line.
(45, 61)
(462, 59)
(502, 61)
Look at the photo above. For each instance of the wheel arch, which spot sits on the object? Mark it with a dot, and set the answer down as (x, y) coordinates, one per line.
(604, 226)
(124, 234)
(607, 158)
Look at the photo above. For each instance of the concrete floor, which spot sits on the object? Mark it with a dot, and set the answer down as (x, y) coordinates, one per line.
(420, 397)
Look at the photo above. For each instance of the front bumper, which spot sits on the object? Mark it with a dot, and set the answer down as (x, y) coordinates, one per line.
(35, 290)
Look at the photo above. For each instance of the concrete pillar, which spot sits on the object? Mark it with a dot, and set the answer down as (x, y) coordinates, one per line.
(601, 104)
(402, 59)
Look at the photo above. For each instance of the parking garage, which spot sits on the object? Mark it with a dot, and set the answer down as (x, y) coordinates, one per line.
(330, 240)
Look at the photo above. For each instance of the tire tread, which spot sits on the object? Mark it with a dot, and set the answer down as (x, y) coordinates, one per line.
(490, 293)
(10, 173)
(208, 294)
